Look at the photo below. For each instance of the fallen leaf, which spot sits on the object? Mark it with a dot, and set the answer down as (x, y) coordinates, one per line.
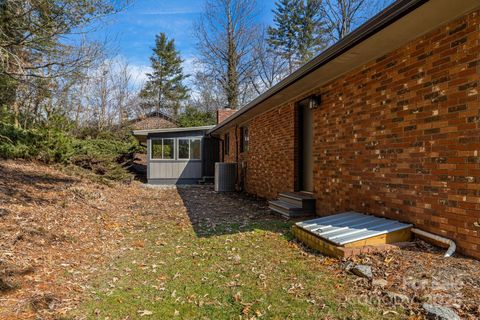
(144, 313)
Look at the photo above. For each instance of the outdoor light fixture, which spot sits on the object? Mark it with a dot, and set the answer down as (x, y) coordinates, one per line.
(314, 101)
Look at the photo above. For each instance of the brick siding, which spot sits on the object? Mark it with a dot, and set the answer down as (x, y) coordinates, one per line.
(224, 113)
(398, 137)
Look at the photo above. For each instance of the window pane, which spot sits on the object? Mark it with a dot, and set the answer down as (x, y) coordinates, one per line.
(227, 144)
(183, 148)
(244, 139)
(195, 149)
(156, 149)
(168, 147)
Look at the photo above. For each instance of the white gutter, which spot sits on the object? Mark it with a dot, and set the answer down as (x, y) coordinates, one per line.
(451, 244)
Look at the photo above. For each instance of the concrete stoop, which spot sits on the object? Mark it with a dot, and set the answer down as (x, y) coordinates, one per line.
(293, 205)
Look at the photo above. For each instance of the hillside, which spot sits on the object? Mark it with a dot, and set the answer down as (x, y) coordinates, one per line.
(57, 230)
(73, 248)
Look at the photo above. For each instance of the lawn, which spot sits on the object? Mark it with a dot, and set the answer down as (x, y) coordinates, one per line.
(71, 248)
(212, 256)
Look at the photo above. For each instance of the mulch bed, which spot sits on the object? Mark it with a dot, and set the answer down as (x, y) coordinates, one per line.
(420, 273)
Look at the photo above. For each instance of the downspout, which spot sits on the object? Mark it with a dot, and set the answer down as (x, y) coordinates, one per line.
(451, 244)
(237, 150)
(223, 150)
(222, 142)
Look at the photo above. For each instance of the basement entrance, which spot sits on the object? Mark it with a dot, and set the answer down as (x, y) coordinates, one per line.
(341, 234)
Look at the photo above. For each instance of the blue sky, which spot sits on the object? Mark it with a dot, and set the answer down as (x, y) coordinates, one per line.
(131, 33)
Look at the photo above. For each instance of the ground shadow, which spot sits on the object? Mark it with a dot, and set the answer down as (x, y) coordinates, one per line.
(137, 166)
(17, 183)
(212, 213)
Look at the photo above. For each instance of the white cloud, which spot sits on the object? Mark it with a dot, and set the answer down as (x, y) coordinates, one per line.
(139, 74)
(191, 65)
(138, 71)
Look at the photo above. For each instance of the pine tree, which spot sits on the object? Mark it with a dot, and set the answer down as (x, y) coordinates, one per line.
(299, 31)
(312, 36)
(282, 37)
(164, 89)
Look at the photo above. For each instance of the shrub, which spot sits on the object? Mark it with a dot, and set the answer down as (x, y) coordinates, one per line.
(105, 156)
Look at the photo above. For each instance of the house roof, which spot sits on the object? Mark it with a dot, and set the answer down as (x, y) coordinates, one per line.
(396, 25)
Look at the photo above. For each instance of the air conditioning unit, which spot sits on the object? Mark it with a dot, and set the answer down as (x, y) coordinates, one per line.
(225, 176)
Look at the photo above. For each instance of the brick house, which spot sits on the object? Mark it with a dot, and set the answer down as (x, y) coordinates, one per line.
(386, 122)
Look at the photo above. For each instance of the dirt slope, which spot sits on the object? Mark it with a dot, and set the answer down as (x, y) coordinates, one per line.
(56, 230)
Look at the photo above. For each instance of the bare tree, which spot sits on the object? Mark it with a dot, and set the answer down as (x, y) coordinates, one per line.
(123, 91)
(270, 67)
(226, 34)
(208, 96)
(108, 95)
(344, 15)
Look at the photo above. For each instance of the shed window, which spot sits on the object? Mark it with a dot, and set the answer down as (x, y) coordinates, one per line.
(195, 149)
(183, 148)
(163, 149)
(244, 139)
(226, 144)
(189, 149)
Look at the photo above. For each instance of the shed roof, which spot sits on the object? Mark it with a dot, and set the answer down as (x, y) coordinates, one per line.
(399, 23)
(148, 131)
(141, 135)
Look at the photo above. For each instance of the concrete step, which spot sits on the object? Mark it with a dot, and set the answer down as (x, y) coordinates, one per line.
(286, 209)
(299, 199)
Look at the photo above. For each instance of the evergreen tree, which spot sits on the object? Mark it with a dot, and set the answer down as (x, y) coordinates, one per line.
(164, 88)
(282, 37)
(193, 117)
(312, 30)
(299, 31)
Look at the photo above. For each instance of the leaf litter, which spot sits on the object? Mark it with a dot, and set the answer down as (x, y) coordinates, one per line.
(60, 231)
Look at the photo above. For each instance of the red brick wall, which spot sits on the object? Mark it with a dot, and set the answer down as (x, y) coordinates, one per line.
(272, 137)
(271, 152)
(398, 137)
(224, 113)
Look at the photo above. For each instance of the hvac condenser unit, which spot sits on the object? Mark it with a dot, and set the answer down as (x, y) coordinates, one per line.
(225, 176)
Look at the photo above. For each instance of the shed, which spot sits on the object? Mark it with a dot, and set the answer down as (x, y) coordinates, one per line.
(179, 155)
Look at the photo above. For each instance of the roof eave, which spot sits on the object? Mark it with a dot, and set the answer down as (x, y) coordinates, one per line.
(380, 21)
(182, 129)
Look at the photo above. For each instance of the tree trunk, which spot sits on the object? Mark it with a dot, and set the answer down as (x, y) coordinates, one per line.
(16, 114)
(232, 80)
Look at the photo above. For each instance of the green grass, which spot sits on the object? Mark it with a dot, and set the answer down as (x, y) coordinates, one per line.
(251, 271)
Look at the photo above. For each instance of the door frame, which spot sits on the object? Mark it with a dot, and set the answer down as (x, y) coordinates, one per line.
(299, 147)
